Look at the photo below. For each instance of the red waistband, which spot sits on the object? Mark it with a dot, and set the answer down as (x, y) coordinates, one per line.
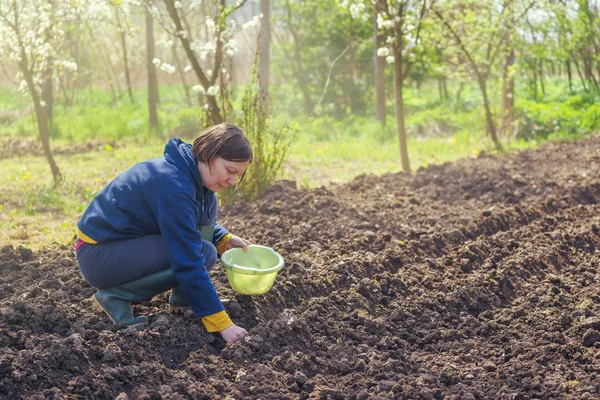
(78, 244)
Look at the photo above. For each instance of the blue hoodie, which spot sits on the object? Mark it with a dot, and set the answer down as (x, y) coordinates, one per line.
(162, 196)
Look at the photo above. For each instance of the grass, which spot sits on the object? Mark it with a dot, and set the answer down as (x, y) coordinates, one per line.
(34, 213)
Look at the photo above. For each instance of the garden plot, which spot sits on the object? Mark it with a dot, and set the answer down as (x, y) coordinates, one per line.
(473, 280)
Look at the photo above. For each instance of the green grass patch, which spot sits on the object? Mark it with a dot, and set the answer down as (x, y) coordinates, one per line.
(34, 213)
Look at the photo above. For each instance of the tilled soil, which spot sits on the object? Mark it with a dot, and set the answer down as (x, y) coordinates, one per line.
(474, 280)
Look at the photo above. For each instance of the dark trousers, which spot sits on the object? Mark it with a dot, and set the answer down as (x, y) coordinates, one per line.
(109, 264)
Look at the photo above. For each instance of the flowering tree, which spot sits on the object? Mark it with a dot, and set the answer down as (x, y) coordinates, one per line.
(31, 36)
(401, 22)
(207, 53)
(481, 41)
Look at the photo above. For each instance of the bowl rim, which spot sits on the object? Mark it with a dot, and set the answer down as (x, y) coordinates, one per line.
(280, 263)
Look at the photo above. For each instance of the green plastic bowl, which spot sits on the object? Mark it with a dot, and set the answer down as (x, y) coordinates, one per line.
(253, 272)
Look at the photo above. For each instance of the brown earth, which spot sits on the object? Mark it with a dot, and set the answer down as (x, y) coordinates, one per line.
(18, 147)
(474, 280)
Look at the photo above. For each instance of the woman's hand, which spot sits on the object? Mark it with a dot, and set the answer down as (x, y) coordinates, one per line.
(233, 334)
(236, 241)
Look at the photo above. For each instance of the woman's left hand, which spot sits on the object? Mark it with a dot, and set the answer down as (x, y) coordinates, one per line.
(236, 241)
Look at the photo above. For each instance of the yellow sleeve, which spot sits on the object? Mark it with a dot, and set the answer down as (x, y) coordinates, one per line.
(85, 237)
(222, 245)
(217, 322)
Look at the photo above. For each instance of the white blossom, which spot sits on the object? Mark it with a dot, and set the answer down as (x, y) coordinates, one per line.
(168, 68)
(210, 23)
(356, 9)
(383, 52)
(34, 36)
(156, 61)
(165, 43)
(198, 88)
(70, 65)
(252, 23)
(187, 68)
(390, 59)
(213, 90)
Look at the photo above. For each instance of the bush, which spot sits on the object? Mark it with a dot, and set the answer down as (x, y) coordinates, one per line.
(270, 147)
(577, 115)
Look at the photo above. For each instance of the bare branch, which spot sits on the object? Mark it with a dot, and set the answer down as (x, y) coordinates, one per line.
(460, 44)
(329, 75)
(506, 32)
(186, 44)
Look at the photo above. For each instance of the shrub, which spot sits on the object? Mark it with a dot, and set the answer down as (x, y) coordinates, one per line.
(270, 146)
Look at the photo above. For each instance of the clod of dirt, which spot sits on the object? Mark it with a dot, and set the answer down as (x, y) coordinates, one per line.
(591, 337)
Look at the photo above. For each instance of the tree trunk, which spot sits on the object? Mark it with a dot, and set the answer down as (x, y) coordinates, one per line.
(589, 72)
(461, 87)
(569, 75)
(379, 69)
(353, 100)
(534, 82)
(186, 89)
(264, 70)
(152, 78)
(213, 111)
(108, 67)
(42, 123)
(125, 58)
(508, 93)
(300, 74)
(48, 94)
(491, 128)
(445, 88)
(580, 76)
(541, 76)
(398, 94)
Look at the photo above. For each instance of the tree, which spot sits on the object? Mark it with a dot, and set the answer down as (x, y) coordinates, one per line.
(379, 63)
(323, 55)
(264, 70)
(152, 78)
(31, 34)
(123, 38)
(401, 21)
(207, 55)
(481, 40)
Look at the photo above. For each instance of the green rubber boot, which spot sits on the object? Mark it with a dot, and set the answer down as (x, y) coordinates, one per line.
(177, 302)
(116, 301)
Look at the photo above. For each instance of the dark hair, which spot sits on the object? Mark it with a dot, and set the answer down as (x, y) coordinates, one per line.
(224, 140)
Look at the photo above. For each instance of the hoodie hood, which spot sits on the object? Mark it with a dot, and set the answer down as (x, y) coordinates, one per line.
(179, 153)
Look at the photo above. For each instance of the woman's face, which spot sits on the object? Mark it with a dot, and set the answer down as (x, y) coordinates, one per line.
(221, 173)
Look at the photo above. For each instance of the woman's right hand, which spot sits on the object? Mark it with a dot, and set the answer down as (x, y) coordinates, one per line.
(233, 334)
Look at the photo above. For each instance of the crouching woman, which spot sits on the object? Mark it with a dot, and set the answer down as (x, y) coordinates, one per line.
(153, 228)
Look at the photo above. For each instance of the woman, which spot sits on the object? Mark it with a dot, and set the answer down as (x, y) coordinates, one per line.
(153, 228)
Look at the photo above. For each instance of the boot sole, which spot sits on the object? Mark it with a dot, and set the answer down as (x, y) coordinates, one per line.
(177, 309)
(99, 308)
